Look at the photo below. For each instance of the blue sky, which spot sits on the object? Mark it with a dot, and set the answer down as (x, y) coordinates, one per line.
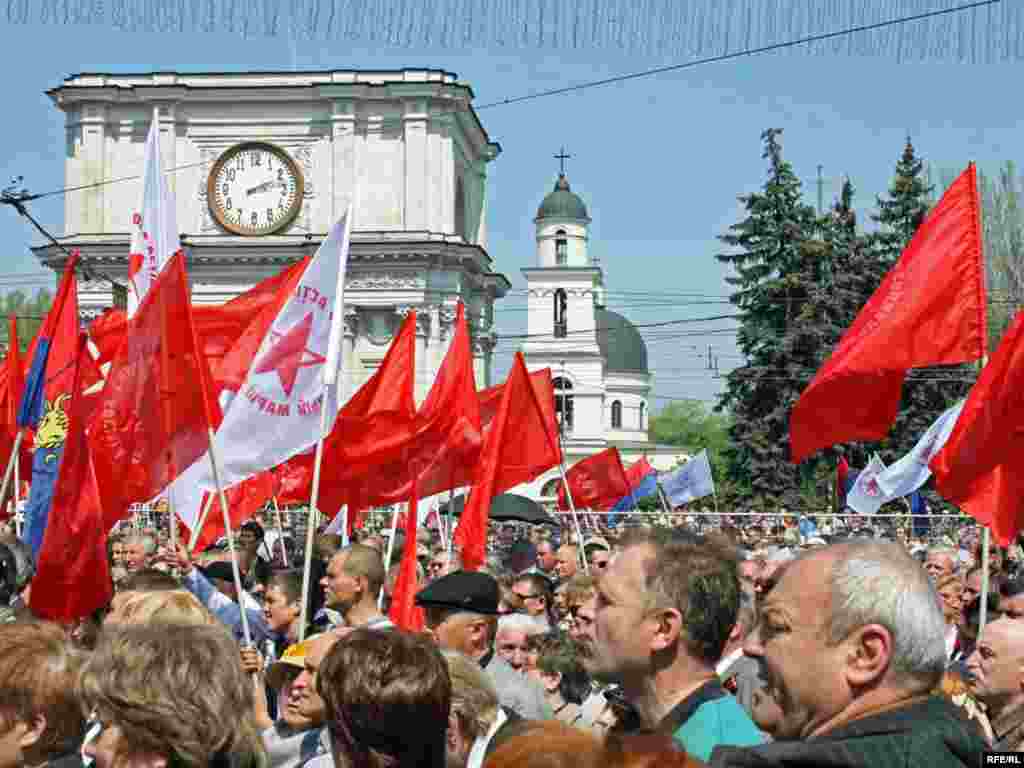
(659, 161)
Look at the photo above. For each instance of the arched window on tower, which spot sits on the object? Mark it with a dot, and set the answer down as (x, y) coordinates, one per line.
(561, 312)
(561, 248)
(563, 404)
(617, 415)
(643, 408)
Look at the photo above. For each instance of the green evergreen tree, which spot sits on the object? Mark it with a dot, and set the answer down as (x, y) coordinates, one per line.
(769, 255)
(930, 391)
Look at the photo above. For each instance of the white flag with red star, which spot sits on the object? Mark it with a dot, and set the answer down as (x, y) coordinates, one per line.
(275, 414)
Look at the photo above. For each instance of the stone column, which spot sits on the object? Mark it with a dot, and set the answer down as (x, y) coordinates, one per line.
(414, 124)
(348, 358)
(94, 167)
(343, 178)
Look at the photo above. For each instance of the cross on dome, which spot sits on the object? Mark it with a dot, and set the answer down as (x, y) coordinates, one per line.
(561, 157)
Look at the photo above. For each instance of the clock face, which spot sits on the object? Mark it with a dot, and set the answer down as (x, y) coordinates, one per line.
(255, 188)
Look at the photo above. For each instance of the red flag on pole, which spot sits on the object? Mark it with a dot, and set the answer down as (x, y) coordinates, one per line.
(597, 482)
(72, 577)
(404, 612)
(987, 436)
(997, 501)
(245, 500)
(157, 405)
(519, 446)
(929, 310)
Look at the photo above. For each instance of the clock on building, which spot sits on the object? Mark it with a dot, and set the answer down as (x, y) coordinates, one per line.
(254, 188)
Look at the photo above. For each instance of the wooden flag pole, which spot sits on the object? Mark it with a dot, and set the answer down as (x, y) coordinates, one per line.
(17, 487)
(231, 541)
(280, 532)
(194, 538)
(313, 520)
(575, 517)
(10, 465)
(390, 551)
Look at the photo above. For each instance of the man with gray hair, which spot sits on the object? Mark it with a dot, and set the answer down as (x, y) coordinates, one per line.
(851, 639)
(139, 551)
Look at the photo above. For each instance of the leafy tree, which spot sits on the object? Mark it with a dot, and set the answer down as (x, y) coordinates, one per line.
(688, 424)
(30, 312)
(769, 255)
(902, 211)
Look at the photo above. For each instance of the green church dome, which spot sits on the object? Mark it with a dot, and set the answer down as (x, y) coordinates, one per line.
(562, 203)
(620, 342)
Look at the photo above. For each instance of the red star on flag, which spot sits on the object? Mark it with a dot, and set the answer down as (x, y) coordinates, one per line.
(288, 353)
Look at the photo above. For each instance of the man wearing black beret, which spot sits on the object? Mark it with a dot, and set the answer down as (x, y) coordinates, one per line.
(461, 612)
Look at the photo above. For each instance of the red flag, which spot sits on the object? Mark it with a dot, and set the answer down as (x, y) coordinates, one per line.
(404, 612)
(637, 471)
(218, 328)
(12, 386)
(72, 577)
(245, 500)
(597, 482)
(374, 427)
(929, 310)
(996, 500)
(988, 432)
(157, 407)
(519, 446)
(842, 477)
(445, 439)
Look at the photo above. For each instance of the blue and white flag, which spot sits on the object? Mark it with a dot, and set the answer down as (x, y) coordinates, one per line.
(691, 481)
(911, 472)
(866, 497)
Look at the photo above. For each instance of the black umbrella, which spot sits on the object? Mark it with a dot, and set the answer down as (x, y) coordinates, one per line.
(506, 507)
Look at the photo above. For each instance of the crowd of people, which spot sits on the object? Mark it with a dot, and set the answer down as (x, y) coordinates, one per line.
(624, 647)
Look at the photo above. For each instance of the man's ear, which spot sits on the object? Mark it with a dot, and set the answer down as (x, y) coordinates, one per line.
(33, 732)
(669, 628)
(869, 653)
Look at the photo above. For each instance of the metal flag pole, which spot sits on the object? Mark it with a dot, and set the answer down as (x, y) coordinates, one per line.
(312, 520)
(280, 531)
(390, 551)
(17, 487)
(664, 500)
(231, 540)
(985, 543)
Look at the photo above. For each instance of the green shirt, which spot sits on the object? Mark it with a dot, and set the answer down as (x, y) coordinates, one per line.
(710, 717)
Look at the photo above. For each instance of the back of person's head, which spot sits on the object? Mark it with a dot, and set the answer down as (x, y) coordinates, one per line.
(648, 750)
(174, 691)
(474, 697)
(173, 606)
(327, 545)
(877, 582)
(24, 563)
(388, 697)
(38, 669)
(365, 562)
(548, 744)
(148, 580)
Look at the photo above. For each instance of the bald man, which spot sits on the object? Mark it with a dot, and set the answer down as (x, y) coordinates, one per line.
(566, 562)
(997, 680)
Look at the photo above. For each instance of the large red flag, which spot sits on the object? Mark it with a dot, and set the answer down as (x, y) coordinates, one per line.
(597, 482)
(929, 310)
(157, 407)
(637, 471)
(519, 446)
(72, 577)
(12, 385)
(997, 501)
(988, 432)
(373, 429)
(404, 612)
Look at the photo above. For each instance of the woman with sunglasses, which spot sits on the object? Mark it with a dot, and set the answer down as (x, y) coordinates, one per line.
(169, 696)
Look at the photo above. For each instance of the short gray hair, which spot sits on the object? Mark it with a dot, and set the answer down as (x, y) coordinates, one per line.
(877, 582)
(148, 541)
(520, 622)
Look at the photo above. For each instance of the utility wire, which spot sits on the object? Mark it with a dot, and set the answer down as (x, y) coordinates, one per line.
(612, 80)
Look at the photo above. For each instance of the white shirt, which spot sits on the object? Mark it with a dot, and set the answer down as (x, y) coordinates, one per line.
(950, 642)
(726, 661)
(479, 748)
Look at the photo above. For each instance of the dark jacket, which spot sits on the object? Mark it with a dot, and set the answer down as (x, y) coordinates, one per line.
(926, 732)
